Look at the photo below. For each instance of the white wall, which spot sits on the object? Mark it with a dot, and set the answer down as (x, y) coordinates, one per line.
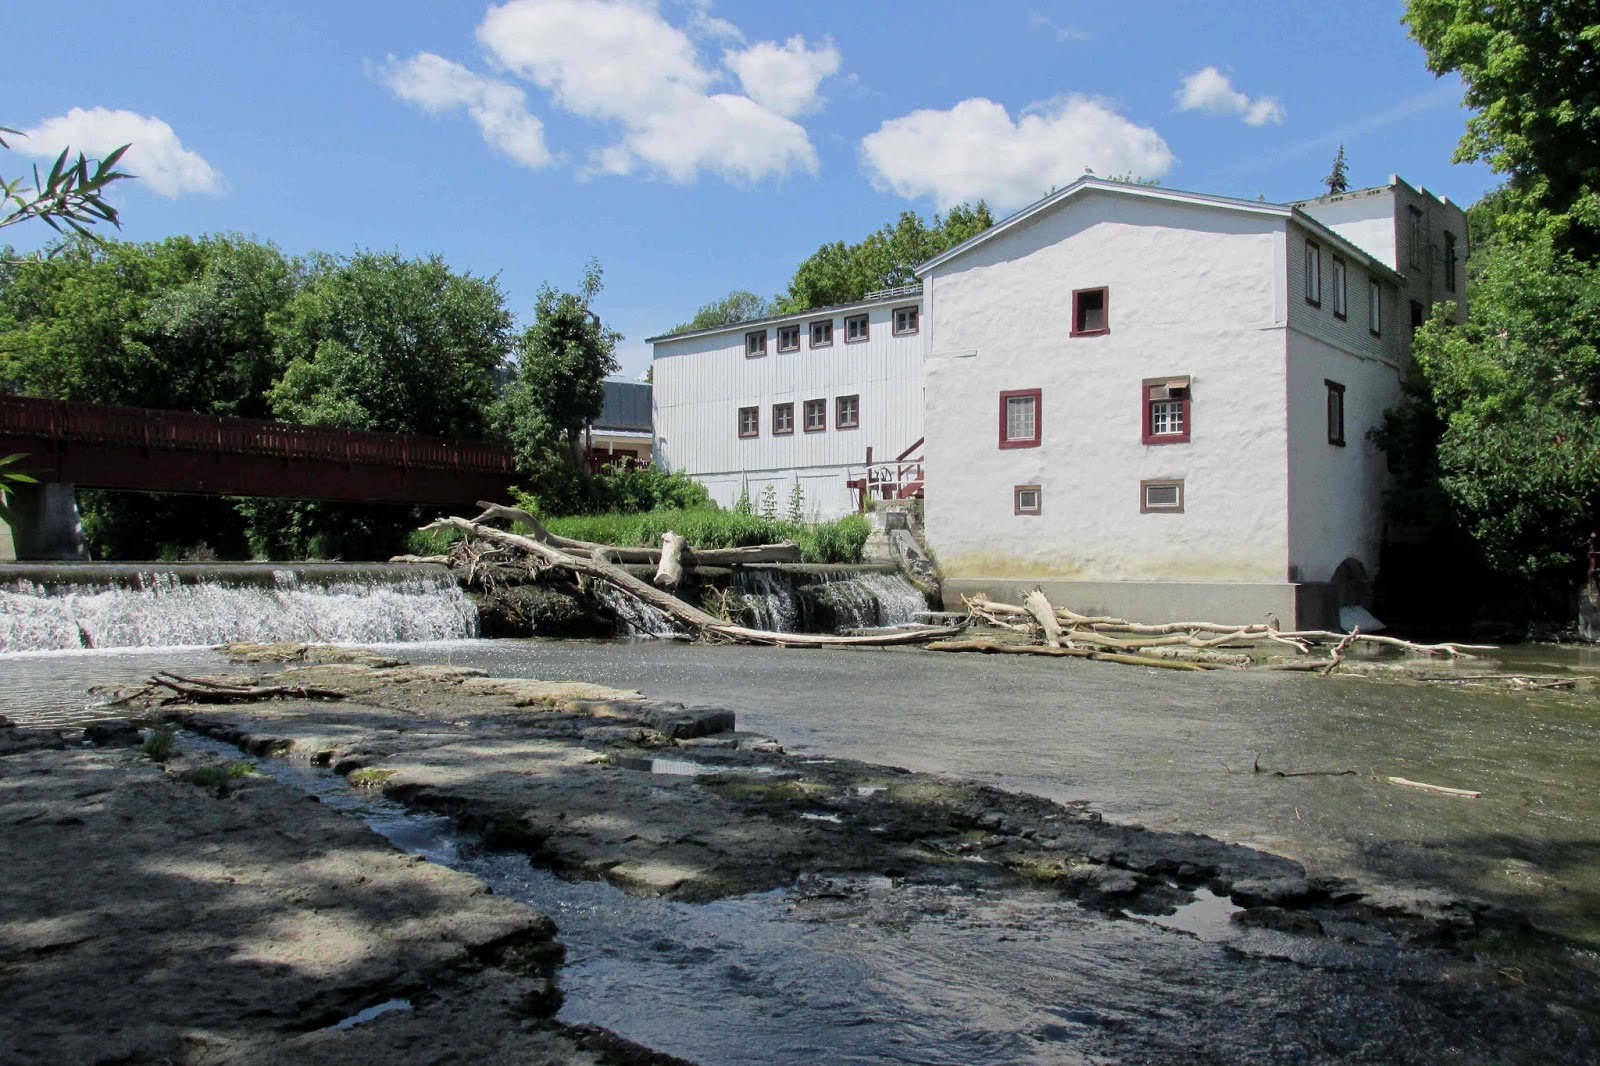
(701, 381)
(1336, 494)
(1193, 291)
(1365, 218)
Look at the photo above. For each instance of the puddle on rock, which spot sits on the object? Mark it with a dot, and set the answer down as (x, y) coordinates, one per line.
(361, 1017)
(813, 816)
(1209, 917)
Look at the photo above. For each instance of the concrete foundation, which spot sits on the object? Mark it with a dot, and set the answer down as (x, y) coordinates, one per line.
(1296, 605)
(44, 524)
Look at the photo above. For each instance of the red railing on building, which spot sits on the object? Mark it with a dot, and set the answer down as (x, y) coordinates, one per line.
(897, 479)
(62, 420)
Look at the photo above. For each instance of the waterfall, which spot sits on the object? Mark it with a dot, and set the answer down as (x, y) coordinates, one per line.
(634, 618)
(771, 600)
(884, 599)
(787, 601)
(161, 608)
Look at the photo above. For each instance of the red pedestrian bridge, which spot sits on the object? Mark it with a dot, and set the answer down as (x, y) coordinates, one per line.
(140, 449)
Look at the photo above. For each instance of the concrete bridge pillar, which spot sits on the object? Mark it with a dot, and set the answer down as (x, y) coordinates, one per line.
(44, 524)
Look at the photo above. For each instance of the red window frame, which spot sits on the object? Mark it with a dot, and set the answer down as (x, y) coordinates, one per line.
(1335, 413)
(1105, 311)
(1341, 289)
(838, 412)
(760, 336)
(755, 419)
(1038, 418)
(792, 331)
(819, 406)
(1148, 397)
(811, 333)
(778, 429)
(916, 320)
(852, 320)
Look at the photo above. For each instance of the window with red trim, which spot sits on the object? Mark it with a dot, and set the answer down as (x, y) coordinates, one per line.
(749, 421)
(905, 320)
(782, 419)
(1020, 424)
(1167, 413)
(822, 333)
(1091, 311)
(788, 338)
(1026, 499)
(816, 412)
(1335, 413)
(755, 344)
(847, 412)
(855, 329)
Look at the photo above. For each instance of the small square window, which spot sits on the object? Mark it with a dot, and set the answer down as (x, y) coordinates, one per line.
(788, 338)
(1019, 418)
(1166, 410)
(906, 320)
(816, 413)
(782, 419)
(1026, 499)
(1313, 274)
(749, 421)
(855, 328)
(1335, 413)
(1163, 495)
(822, 334)
(755, 344)
(1090, 311)
(847, 413)
(1340, 303)
(1374, 307)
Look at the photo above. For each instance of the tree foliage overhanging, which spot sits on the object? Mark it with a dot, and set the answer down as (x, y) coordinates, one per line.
(1499, 437)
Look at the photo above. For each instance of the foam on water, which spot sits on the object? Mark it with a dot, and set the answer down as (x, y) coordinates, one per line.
(158, 609)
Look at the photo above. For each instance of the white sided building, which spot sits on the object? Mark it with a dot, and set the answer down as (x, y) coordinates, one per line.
(793, 399)
(1155, 404)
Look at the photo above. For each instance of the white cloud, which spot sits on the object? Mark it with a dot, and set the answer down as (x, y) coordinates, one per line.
(157, 156)
(621, 62)
(1212, 91)
(975, 150)
(784, 77)
(500, 109)
(1064, 34)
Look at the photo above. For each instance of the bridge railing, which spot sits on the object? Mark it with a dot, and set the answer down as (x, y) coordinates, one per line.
(66, 421)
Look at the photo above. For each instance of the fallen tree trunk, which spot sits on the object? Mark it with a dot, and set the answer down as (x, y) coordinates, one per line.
(989, 647)
(1038, 606)
(785, 552)
(670, 572)
(209, 690)
(689, 615)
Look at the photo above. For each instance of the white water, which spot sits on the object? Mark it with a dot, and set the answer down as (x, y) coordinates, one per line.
(637, 618)
(162, 611)
(859, 599)
(771, 597)
(877, 599)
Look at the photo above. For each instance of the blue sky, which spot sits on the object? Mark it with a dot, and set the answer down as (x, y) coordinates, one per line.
(697, 147)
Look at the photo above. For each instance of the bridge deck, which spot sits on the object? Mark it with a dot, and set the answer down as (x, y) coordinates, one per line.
(144, 450)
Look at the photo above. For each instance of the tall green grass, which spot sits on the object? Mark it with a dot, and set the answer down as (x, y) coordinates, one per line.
(838, 541)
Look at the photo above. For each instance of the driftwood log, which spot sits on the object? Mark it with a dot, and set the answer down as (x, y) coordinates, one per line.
(989, 647)
(785, 552)
(597, 561)
(670, 572)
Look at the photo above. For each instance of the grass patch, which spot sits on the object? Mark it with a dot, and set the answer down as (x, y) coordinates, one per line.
(370, 777)
(838, 541)
(158, 744)
(219, 775)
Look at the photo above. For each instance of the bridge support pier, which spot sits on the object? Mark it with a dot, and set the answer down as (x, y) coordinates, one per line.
(44, 524)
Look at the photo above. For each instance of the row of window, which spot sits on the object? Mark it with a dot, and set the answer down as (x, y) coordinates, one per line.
(857, 328)
(1156, 496)
(814, 414)
(1341, 296)
(1419, 249)
(1166, 413)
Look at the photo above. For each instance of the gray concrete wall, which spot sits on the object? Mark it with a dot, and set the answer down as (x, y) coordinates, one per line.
(1154, 602)
(45, 523)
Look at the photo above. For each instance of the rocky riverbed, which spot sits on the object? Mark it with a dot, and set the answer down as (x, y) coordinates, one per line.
(209, 914)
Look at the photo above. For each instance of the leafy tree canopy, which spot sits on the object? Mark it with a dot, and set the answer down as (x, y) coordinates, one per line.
(738, 306)
(1530, 71)
(380, 342)
(177, 324)
(1510, 397)
(563, 359)
(838, 273)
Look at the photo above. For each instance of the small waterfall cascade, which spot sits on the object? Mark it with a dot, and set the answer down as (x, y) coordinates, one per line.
(635, 618)
(132, 607)
(872, 598)
(786, 601)
(771, 600)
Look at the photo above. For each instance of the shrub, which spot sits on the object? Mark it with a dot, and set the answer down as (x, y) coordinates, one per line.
(158, 743)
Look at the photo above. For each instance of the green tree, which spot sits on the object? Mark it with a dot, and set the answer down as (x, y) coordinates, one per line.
(1507, 403)
(838, 273)
(1530, 70)
(1338, 179)
(738, 306)
(563, 359)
